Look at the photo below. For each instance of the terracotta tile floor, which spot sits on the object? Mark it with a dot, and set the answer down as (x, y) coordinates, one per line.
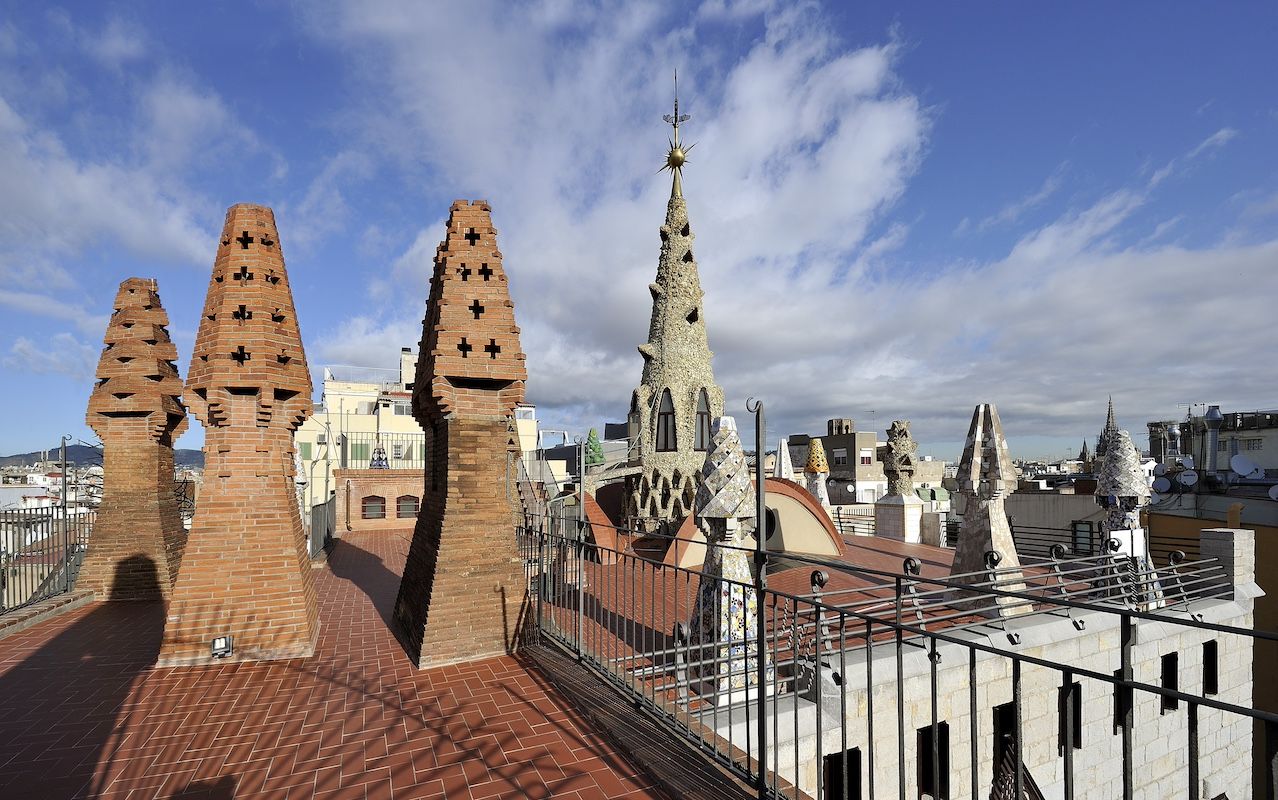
(83, 714)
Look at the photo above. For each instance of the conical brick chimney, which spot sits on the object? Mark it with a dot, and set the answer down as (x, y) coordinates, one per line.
(246, 572)
(136, 409)
(463, 587)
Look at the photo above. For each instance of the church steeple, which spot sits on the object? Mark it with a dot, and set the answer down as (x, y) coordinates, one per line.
(1108, 432)
(672, 408)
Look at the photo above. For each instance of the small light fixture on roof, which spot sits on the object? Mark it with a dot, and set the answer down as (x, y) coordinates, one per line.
(222, 647)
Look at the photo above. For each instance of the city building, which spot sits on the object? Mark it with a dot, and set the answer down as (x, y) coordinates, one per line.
(1251, 434)
(856, 473)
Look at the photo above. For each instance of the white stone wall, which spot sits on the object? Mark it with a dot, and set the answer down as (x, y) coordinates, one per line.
(1160, 740)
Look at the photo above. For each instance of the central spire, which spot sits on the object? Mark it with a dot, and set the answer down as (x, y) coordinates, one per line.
(676, 156)
(672, 408)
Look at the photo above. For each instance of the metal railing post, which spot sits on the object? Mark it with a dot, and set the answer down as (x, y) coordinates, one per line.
(1125, 693)
(581, 541)
(66, 531)
(541, 576)
(760, 586)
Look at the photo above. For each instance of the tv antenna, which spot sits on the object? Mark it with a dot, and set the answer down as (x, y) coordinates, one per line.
(1244, 467)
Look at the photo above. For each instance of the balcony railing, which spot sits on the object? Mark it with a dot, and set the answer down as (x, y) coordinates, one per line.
(889, 680)
(41, 550)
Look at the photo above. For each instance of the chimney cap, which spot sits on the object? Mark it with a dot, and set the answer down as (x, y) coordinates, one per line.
(1213, 417)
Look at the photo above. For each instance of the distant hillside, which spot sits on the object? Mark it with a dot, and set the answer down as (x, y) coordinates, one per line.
(84, 456)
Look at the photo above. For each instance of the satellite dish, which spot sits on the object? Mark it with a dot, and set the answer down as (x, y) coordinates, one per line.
(1155, 498)
(1160, 469)
(1187, 462)
(1188, 477)
(1162, 484)
(1273, 492)
(1243, 466)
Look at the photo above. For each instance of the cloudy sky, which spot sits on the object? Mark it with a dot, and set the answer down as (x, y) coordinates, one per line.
(900, 211)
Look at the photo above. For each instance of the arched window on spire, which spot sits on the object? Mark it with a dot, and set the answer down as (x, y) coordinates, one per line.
(666, 439)
(701, 441)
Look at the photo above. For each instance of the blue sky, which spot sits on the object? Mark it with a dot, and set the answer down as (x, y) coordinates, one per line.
(900, 209)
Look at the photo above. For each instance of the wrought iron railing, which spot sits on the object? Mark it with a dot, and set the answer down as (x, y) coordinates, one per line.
(41, 550)
(882, 679)
(1084, 539)
(402, 450)
(848, 524)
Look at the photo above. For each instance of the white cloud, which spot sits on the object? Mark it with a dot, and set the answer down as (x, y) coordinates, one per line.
(182, 125)
(1214, 142)
(61, 354)
(60, 203)
(1014, 211)
(118, 43)
(323, 208)
(804, 145)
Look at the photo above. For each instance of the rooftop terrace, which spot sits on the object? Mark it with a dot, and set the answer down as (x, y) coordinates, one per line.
(84, 714)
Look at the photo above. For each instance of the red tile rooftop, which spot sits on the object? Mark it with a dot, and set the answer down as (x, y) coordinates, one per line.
(83, 714)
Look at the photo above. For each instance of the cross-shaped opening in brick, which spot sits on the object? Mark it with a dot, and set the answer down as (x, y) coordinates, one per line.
(471, 237)
(243, 275)
(485, 271)
(245, 240)
(240, 355)
(476, 308)
(464, 272)
(242, 313)
(465, 347)
(492, 348)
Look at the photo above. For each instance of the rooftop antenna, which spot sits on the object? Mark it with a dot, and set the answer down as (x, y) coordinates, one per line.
(1244, 467)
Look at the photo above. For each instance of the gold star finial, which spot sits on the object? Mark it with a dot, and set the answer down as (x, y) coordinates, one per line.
(677, 156)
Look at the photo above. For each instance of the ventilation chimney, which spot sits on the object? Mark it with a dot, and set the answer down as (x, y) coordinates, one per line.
(1213, 420)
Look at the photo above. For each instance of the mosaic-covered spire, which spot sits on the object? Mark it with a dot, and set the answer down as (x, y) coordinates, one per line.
(671, 409)
(898, 457)
(725, 618)
(817, 463)
(783, 467)
(816, 471)
(986, 475)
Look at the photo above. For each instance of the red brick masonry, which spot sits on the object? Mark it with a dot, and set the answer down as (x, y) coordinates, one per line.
(464, 593)
(82, 713)
(136, 409)
(246, 571)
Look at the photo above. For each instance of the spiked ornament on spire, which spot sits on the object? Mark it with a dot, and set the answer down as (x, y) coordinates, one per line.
(677, 156)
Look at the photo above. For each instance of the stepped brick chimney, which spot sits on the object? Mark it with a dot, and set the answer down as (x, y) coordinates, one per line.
(136, 409)
(463, 588)
(246, 572)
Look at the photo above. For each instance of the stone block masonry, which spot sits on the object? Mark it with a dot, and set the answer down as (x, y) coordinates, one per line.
(136, 409)
(246, 572)
(463, 594)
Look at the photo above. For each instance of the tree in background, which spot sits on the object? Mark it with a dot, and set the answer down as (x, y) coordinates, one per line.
(594, 450)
